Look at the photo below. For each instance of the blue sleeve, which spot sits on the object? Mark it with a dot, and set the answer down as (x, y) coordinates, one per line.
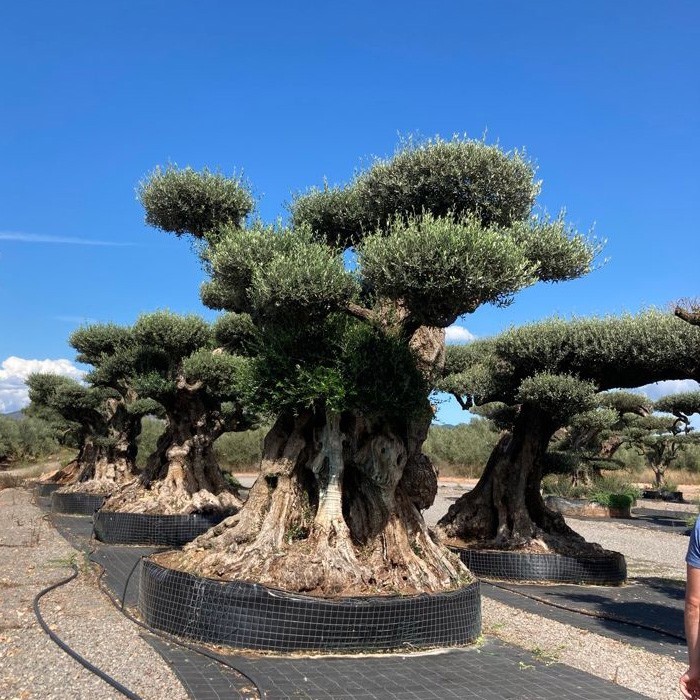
(693, 555)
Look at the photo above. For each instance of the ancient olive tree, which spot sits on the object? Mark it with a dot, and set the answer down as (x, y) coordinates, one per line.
(662, 436)
(82, 410)
(177, 363)
(103, 346)
(548, 372)
(589, 442)
(349, 302)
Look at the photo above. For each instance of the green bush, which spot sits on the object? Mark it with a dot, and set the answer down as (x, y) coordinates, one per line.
(240, 452)
(612, 500)
(462, 450)
(26, 439)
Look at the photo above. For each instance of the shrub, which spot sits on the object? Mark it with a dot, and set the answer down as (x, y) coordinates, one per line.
(26, 439)
(462, 450)
(239, 452)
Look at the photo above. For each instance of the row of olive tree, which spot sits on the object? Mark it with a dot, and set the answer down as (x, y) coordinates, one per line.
(334, 332)
(349, 303)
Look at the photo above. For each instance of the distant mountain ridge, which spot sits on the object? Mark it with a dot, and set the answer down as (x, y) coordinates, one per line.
(15, 415)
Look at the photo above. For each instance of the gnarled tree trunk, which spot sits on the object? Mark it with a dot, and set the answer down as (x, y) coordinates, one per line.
(505, 510)
(336, 511)
(182, 475)
(108, 461)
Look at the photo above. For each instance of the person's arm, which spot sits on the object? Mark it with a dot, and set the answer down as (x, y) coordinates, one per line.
(690, 680)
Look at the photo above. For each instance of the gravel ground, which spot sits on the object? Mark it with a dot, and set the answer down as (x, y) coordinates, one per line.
(31, 665)
(648, 552)
(35, 556)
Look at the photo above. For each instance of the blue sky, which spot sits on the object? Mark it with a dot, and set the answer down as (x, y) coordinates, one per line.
(604, 96)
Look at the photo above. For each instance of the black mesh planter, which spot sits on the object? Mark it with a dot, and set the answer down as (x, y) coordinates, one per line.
(139, 528)
(603, 569)
(252, 616)
(76, 503)
(45, 490)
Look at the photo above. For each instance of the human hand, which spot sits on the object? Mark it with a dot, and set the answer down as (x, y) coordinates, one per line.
(690, 685)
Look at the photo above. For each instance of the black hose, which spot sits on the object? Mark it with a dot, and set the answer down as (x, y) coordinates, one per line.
(589, 613)
(74, 654)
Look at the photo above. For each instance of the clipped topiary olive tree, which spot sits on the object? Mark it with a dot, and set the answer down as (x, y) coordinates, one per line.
(349, 302)
(662, 436)
(85, 413)
(548, 372)
(173, 366)
(589, 442)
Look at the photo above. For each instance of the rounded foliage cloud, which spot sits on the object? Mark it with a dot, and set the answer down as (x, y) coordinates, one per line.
(15, 370)
(458, 335)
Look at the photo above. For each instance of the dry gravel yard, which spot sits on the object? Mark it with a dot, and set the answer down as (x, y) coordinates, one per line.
(32, 666)
(34, 555)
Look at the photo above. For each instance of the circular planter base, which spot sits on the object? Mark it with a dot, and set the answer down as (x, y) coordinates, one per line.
(140, 528)
(76, 503)
(604, 569)
(45, 490)
(252, 616)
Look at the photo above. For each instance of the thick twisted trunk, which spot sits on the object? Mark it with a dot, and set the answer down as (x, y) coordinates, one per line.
(505, 510)
(182, 475)
(335, 511)
(109, 463)
(82, 468)
(337, 507)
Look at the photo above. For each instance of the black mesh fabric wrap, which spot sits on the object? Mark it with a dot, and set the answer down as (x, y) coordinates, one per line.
(248, 615)
(76, 503)
(140, 528)
(604, 569)
(45, 490)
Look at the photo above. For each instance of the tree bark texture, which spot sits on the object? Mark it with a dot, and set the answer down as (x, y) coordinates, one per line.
(505, 510)
(107, 458)
(336, 511)
(182, 476)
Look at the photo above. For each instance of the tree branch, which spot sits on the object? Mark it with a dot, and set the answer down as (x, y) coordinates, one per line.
(361, 312)
(692, 317)
(465, 403)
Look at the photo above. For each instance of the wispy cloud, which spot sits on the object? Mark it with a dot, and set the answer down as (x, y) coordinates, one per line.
(19, 237)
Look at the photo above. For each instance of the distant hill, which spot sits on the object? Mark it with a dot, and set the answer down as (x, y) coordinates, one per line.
(15, 415)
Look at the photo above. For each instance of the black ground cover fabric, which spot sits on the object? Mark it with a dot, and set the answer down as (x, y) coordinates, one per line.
(76, 503)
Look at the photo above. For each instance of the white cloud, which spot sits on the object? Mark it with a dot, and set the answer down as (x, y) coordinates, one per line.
(19, 237)
(458, 335)
(15, 370)
(672, 386)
